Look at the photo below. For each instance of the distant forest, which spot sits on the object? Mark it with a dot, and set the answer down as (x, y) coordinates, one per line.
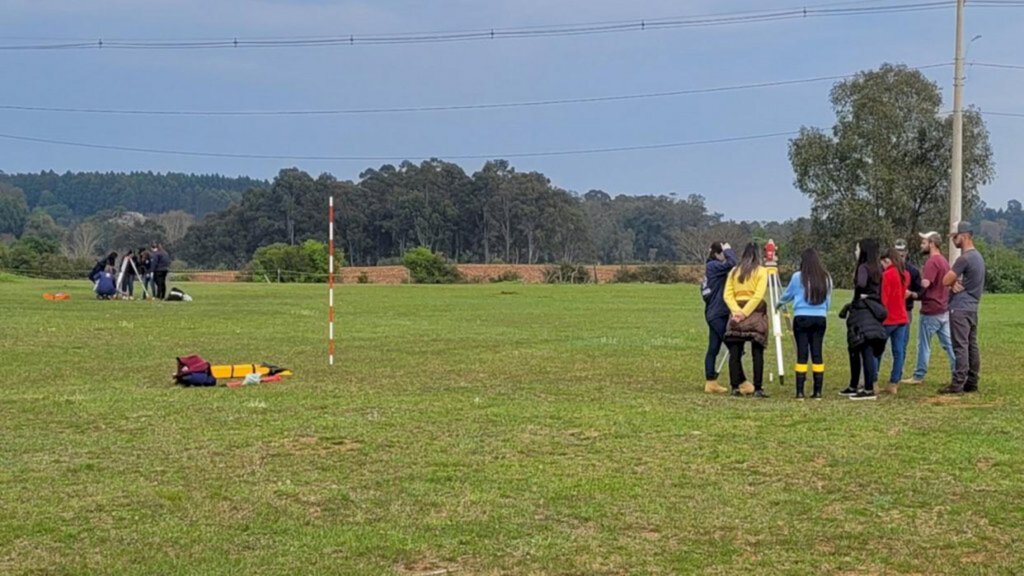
(496, 214)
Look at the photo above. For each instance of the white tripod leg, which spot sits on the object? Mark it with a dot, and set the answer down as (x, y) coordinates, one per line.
(120, 277)
(774, 295)
(139, 276)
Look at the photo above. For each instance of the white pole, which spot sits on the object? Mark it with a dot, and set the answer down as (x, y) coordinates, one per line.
(956, 172)
(330, 281)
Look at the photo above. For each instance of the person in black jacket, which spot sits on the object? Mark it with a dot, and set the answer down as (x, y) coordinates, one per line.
(721, 259)
(145, 266)
(914, 289)
(865, 333)
(161, 265)
(101, 265)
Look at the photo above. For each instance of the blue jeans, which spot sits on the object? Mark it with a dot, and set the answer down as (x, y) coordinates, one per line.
(930, 326)
(898, 338)
(716, 337)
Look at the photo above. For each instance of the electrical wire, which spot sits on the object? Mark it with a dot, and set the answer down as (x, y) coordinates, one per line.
(574, 152)
(804, 12)
(441, 108)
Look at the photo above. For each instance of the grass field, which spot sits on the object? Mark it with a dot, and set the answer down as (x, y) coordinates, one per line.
(498, 429)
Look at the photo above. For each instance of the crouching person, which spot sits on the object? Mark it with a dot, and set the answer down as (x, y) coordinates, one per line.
(744, 295)
(106, 287)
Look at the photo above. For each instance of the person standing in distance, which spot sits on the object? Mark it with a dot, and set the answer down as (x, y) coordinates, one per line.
(934, 307)
(895, 286)
(913, 291)
(744, 294)
(810, 290)
(161, 264)
(721, 260)
(966, 281)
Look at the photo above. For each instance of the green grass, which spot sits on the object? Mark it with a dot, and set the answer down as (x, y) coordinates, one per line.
(500, 429)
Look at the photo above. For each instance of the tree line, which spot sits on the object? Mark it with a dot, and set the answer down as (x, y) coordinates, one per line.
(881, 171)
(495, 215)
(72, 196)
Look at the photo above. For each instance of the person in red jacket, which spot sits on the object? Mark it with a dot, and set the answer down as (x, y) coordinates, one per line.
(895, 285)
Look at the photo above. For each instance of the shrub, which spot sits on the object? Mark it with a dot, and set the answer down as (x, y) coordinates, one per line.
(306, 262)
(1004, 269)
(363, 278)
(426, 267)
(567, 273)
(653, 274)
(507, 276)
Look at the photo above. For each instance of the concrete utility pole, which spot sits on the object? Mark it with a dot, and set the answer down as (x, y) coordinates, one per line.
(957, 171)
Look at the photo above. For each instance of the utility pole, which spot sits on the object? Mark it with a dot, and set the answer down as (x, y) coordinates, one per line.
(957, 171)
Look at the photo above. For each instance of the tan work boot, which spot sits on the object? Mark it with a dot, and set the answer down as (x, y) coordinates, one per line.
(712, 387)
(746, 388)
(913, 381)
(891, 389)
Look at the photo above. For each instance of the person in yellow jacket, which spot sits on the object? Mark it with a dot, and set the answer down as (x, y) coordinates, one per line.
(748, 322)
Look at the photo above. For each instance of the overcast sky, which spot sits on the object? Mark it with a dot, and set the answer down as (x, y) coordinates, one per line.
(748, 180)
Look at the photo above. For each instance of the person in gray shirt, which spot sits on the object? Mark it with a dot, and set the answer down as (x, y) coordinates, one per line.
(966, 282)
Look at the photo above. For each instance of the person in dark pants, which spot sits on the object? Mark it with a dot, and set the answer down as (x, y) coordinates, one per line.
(129, 264)
(721, 259)
(744, 295)
(145, 267)
(161, 264)
(913, 290)
(864, 331)
(966, 282)
(810, 290)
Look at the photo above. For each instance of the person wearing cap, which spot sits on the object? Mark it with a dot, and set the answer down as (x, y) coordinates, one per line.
(934, 296)
(913, 288)
(966, 282)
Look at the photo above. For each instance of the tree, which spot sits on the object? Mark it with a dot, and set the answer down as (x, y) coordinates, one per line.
(83, 241)
(13, 210)
(39, 223)
(175, 224)
(883, 171)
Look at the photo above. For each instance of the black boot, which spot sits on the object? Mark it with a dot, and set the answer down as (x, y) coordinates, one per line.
(801, 382)
(819, 383)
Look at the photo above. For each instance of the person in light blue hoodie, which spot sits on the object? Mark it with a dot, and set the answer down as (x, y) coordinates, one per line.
(810, 291)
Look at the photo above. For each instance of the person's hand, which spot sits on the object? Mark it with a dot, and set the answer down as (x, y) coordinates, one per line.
(739, 317)
(957, 288)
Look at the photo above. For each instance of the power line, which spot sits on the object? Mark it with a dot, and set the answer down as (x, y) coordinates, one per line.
(575, 152)
(999, 66)
(635, 25)
(441, 108)
(1004, 114)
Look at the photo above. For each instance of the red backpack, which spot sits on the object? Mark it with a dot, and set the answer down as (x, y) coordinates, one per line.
(194, 371)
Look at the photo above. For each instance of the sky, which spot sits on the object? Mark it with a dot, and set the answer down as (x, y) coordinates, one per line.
(743, 180)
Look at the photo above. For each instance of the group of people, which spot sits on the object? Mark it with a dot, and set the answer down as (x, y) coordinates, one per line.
(148, 265)
(886, 287)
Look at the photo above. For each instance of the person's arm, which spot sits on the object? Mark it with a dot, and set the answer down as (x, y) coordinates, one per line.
(953, 275)
(790, 294)
(828, 296)
(719, 268)
(730, 295)
(759, 291)
(730, 256)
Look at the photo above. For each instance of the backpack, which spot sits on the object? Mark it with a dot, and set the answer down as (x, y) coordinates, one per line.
(194, 371)
(705, 290)
(178, 295)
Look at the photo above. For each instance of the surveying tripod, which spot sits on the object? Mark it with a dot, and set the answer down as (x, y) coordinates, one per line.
(773, 295)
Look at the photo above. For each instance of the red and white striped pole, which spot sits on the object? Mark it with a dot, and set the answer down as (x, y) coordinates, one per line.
(330, 281)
